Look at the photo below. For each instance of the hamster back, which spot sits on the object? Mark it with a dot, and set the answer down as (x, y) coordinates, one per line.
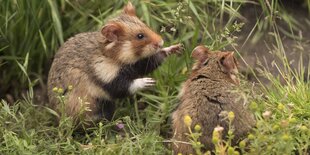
(207, 96)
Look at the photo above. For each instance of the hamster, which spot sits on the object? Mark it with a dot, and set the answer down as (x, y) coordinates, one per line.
(106, 65)
(209, 91)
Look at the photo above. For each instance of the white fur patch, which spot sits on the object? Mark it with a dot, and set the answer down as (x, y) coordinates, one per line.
(141, 83)
(126, 54)
(109, 46)
(106, 69)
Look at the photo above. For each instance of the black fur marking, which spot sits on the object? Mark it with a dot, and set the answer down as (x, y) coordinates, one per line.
(106, 108)
(118, 88)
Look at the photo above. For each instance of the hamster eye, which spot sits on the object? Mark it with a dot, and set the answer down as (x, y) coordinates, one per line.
(140, 36)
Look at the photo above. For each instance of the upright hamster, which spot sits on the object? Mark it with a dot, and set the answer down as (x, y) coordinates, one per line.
(106, 65)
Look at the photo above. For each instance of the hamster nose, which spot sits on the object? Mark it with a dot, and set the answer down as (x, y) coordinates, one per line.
(159, 44)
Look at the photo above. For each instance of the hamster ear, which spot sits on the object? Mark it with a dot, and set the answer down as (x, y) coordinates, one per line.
(111, 31)
(200, 53)
(229, 62)
(129, 9)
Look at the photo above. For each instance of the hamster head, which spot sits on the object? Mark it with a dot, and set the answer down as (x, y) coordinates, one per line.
(217, 63)
(127, 39)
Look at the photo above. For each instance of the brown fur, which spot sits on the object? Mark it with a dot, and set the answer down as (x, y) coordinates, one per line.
(209, 91)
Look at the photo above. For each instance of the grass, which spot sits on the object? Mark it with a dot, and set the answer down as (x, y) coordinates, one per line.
(32, 31)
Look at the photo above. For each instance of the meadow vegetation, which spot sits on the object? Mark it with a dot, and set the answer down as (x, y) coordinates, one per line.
(31, 31)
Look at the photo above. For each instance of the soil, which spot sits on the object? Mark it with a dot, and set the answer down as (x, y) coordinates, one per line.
(295, 48)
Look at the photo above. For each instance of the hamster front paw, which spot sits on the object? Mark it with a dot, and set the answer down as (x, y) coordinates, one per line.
(140, 84)
(173, 49)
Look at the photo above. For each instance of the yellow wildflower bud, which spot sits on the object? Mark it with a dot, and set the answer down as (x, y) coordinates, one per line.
(236, 153)
(253, 106)
(215, 140)
(230, 151)
(303, 128)
(251, 136)
(292, 120)
(216, 134)
(231, 116)
(286, 137)
(55, 89)
(187, 120)
(207, 153)
(197, 127)
(70, 87)
(215, 137)
(179, 153)
(276, 127)
(280, 106)
(60, 90)
(242, 144)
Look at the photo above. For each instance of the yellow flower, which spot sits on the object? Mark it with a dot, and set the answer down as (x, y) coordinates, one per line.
(207, 153)
(215, 140)
(70, 87)
(242, 144)
(230, 151)
(187, 120)
(286, 137)
(231, 116)
(276, 127)
(55, 89)
(60, 90)
(236, 153)
(197, 127)
(292, 120)
(303, 128)
(253, 106)
(250, 136)
(280, 106)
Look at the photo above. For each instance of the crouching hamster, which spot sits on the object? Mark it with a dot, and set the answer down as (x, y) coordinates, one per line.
(208, 93)
(106, 65)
